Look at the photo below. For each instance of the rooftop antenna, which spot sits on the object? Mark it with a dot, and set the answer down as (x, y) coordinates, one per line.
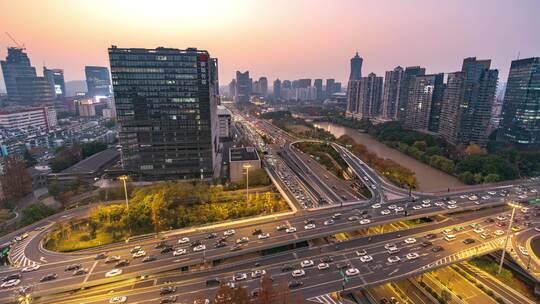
(15, 41)
(518, 55)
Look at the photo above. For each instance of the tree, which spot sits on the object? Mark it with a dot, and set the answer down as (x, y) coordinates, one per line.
(491, 178)
(34, 213)
(89, 149)
(29, 159)
(267, 292)
(64, 198)
(467, 177)
(16, 181)
(228, 295)
(474, 149)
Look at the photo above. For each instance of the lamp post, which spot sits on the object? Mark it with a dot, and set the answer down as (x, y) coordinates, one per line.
(247, 166)
(508, 230)
(124, 179)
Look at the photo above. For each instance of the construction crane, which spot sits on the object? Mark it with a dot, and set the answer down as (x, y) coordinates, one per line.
(15, 41)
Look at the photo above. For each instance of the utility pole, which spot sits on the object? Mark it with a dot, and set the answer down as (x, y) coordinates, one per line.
(247, 166)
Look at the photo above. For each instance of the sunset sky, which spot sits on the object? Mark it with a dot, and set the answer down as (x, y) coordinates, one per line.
(288, 39)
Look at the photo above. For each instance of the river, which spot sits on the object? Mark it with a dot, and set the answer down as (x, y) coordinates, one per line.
(429, 179)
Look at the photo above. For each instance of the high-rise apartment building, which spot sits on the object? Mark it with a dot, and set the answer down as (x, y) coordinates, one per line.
(521, 107)
(166, 106)
(330, 88)
(364, 97)
(98, 81)
(32, 90)
(356, 68)
(55, 77)
(17, 64)
(263, 86)
(391, 92)
(319, 87)
(277, 89)
(243, 87)
(337, 87)
(423, 104)
(408, 74)
(467, 103)
(232, 89)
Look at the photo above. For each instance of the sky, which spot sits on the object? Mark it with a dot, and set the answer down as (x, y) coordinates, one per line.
(289, 39)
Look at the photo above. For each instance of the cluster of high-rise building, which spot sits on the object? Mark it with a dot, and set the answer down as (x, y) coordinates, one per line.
(460, 109)
(242, 88)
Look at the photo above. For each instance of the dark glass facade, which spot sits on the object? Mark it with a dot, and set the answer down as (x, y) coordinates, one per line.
(56, 79)
(408, 75)
(98, 81)
(521, 108)
(166, 106)
(17, 64)
(356, 68)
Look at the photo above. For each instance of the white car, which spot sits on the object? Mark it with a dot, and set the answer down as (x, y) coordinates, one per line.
(462, 196)
(417, 207)
(229, 232)
(323, 266)
(179, 251)
(353, 218)
(452, 202)
(297, 273)
(498, 232)
(426, 201)
(385, 212)
(412, 255)
(410, 240)
(450, 237)
(307, 263)
(309, 226)
(329, 222)
(365, 221)
(290, 230)
(486, 197)
(452, 206)
(240, 276)
(426, 205)
(139, 254)
(473, 197)
(183, 240)
(399, 209)
(376, 206)
(393, 259)
(478, 230)
(366, 258)
(439, 204)
(492, 192)
(263, 236)
(352, 272)
(501, 218)
(199, 248)
(31, 268)
(361, 252)
(10, 283)
(447, 231)
(113, 273)
(523, 250)
(389, 246)
(242, 240)
(258, 273)
(122, 299)
(392, 207)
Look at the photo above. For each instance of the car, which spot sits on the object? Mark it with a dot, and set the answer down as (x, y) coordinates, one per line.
(309, 226)
(229, 232)
(263, 236)
(307, 263)
(329, 222)
(412, 255)
(281, 227)
(447, 231)
(485, 235)
(489, 220)
(365, 221)
(139, 254)
(523, 250)
(161, 244)
(373, 187)
(516, 228)
(49, 277)
(220, 244)
(256, 231)
(417, 207)
(286, 268)
(426, 205)
(169, 299)
(452, 207)
(437, 248)
(361, 252)
(258, 273)
(393, 259)
(366, 258)
(500, 224)
(183, 240)
(135, 249)
(298, 273)
(236, 247)
(451, 202)
(450, 237)
(195, 243)
(295, 284)
(537, 228)
(239, 276)
(323, 266)
(342, 265)
(327, 259)
(478, 230)
(399, 209)
(100, 256)
(389, 246)
(385, 212)
(149, 258)
(72, 267)
(426, 244)
(458, 228)
(430, 236)
(309, 221)
(112, 259)
(439, 204)
(410, 240)
(213, 282)
(120, 299)
(167, 290)
(352, 272)
(179, 251)
(31, 268)
(336, 216)
(80, 271)
(468, 241)
(199, 248)
(122, 263)
(392, 207)
(242, 240)
(113, 273)
(501, 218)
(473, 198)
(211, 235)
(353, 218)
(498, 232)
(10, 283)
(166, 250)
(290, 230)
(376, 206)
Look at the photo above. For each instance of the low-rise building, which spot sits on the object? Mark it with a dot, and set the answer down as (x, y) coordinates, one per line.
(239, 158)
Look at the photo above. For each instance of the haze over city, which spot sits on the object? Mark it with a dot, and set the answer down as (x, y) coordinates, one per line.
(280, 38)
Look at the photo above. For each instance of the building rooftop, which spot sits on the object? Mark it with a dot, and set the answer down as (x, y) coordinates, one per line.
(243, 154)
(93, 163)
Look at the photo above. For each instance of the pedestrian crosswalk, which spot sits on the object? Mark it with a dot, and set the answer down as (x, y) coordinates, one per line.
(17, 256)
(325, 299)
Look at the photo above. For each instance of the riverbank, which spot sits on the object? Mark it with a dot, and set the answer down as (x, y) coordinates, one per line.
(429, 179)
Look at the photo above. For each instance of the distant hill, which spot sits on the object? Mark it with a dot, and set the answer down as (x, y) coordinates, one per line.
(75, 86)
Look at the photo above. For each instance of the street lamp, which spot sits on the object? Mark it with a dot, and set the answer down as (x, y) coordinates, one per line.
(514, 206)
(124, 179)
(247, 166)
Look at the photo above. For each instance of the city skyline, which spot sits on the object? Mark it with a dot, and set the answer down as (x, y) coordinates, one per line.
(243, 38)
